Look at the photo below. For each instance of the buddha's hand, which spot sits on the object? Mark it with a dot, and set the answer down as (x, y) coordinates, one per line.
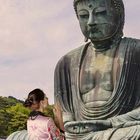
(131, 123)
(81, 127)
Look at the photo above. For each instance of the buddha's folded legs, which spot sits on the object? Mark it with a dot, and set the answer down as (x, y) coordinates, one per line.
(128, 133)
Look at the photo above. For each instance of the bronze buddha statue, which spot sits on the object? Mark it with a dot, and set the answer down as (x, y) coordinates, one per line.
(98, 84)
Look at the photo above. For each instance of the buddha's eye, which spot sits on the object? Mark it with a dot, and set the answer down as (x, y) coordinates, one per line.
(100, 11)
(83, 14)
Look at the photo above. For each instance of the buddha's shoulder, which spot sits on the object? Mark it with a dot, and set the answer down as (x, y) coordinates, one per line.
(137, 43)
(71, 57)
(127, 40)
(73, 54)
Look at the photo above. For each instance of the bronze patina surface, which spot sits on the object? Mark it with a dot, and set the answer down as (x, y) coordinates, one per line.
(98, 84)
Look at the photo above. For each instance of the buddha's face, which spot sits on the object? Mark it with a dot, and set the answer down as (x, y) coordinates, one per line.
(98, 20)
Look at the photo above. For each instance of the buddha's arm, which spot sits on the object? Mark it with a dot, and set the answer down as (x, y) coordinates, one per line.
(62, 91)
(58, 116)
(132, 117)
(128, 119)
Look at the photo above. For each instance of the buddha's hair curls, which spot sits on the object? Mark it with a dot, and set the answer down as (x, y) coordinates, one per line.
(118, 4)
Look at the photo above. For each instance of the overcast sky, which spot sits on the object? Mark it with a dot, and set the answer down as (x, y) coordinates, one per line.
(35, 34)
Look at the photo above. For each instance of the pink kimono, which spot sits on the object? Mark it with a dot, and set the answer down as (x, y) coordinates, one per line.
(43, 128)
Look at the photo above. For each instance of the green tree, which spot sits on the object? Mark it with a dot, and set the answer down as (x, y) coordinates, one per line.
(3, 123)
(5, 102)
(18, 115)
(49, 111)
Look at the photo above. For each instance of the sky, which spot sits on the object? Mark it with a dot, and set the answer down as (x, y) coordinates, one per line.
(35, 34)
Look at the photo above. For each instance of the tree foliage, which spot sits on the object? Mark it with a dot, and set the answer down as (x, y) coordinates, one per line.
(49, 111)
(13, 115)
(18, 115)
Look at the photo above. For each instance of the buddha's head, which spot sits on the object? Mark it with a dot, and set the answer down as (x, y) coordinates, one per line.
(100, 19)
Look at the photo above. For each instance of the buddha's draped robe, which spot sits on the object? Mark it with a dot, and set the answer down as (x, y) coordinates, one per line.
(122, 108)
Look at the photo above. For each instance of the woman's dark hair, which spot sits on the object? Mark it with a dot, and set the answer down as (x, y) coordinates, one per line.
(35, 96)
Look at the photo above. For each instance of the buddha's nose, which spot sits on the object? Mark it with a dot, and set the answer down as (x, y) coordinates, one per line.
(92, 21)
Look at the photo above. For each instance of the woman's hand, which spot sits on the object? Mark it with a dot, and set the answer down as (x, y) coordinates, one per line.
(58, 116)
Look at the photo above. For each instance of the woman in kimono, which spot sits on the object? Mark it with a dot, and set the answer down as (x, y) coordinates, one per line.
(40, 126)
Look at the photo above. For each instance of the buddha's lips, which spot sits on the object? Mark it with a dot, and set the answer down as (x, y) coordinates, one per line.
(96, 28)
(93, 29)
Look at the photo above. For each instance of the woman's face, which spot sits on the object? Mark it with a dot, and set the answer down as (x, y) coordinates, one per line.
(35, 106)
(45, 102)
(41, 105)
